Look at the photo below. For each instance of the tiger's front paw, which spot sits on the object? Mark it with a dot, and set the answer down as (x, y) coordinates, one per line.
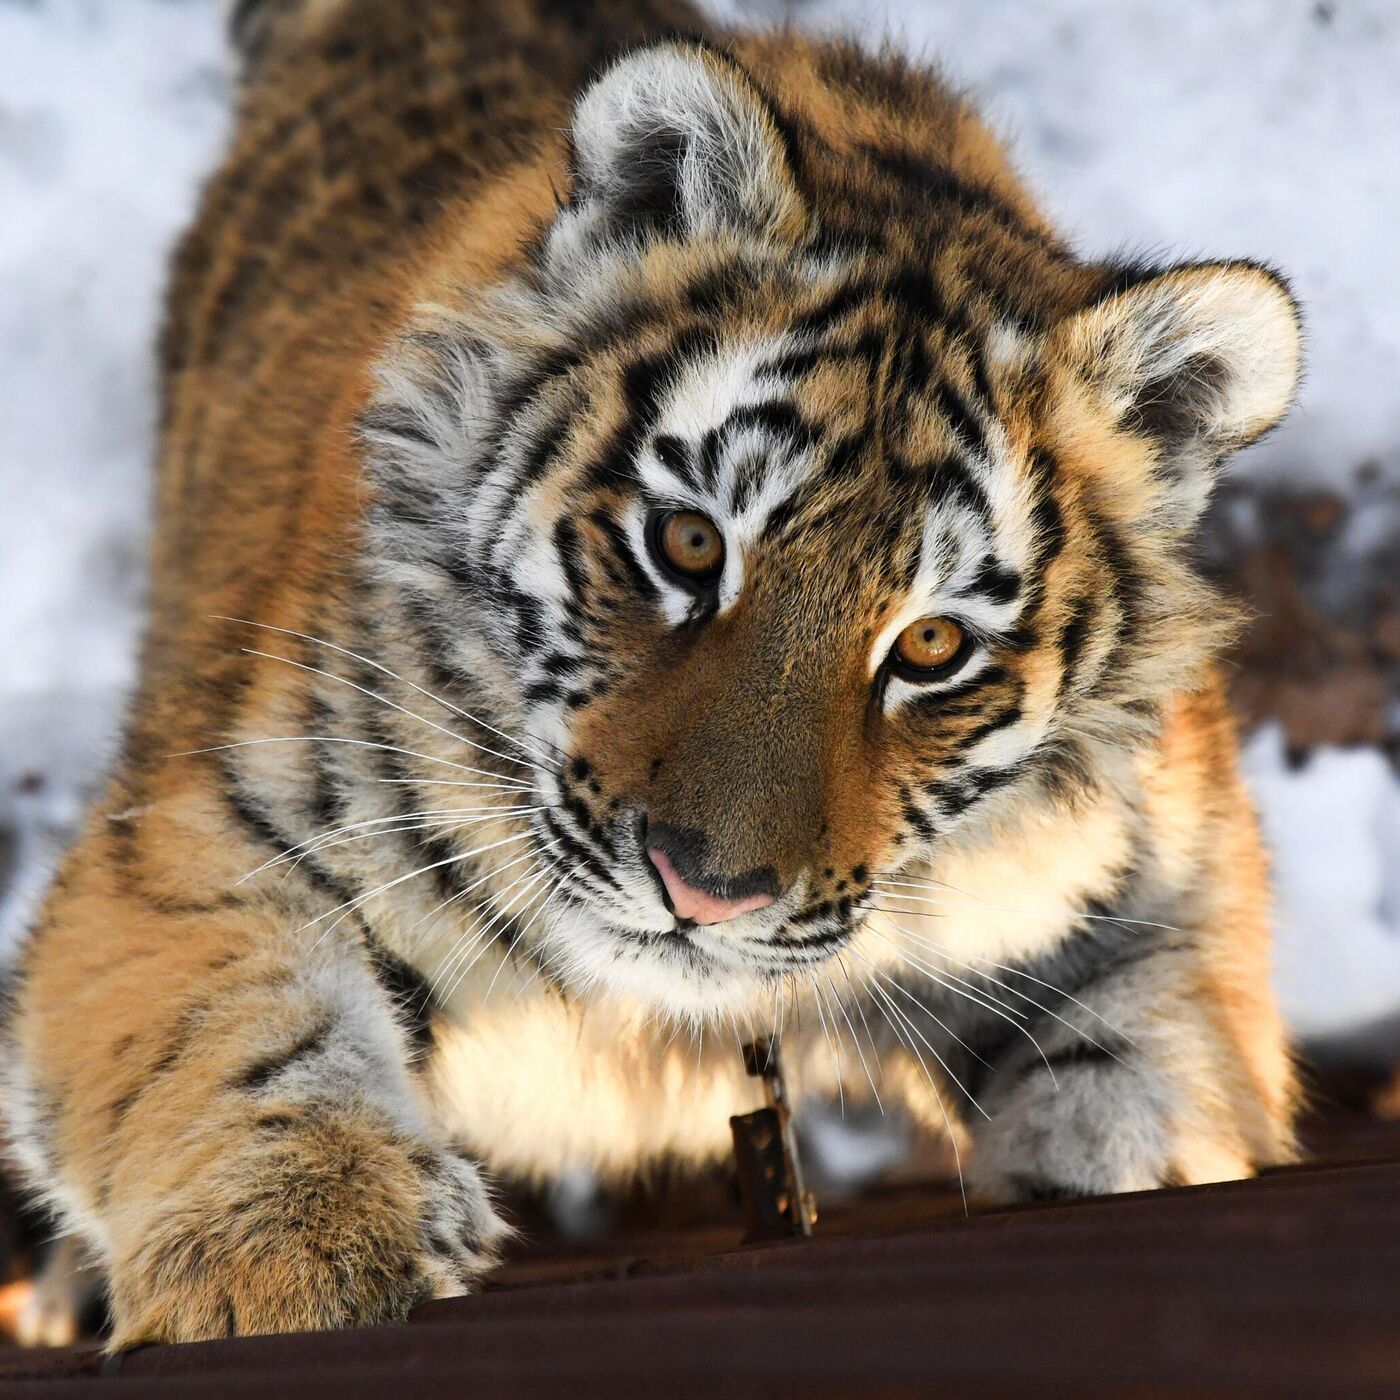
(1096, 1121)
(321, 1225)
(1090, 1125)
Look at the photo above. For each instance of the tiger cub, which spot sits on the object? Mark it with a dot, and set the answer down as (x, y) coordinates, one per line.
(651, 539)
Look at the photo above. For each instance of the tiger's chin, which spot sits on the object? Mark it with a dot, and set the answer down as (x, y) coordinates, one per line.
(693, 975)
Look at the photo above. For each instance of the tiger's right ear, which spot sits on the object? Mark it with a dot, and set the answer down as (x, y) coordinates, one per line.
(1184, 366)
(676, 141)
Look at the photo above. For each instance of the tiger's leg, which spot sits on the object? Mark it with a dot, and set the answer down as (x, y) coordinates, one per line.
(227, 1111)
(1161, 1071)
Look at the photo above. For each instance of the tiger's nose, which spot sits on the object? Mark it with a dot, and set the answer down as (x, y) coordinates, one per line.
(688, 902)
(677, 857)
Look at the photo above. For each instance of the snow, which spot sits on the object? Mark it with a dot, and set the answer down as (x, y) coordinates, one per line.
(109, 115)
(1334, 829)
(1268, 128)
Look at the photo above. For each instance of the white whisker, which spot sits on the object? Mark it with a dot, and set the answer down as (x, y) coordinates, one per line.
(835, 1057)
(429, 828)
(390, 704)
(506, 959)
(1012, 1017)
(360, 900)
(885, 1005)
(479, 929)
(400, 821)
(510, 786)
(972, 994)
(519, 783)
(393, 675)
(887, 882)
(942, 951)
(531, 922)
(482, 940)
(942, 1063)
(860, 1011)
(855, 1039)
(453, 898)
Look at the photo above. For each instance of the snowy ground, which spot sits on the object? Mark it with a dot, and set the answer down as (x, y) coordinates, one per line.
(1262, 127)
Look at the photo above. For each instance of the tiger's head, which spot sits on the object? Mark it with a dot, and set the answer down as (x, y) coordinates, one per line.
(802, 503)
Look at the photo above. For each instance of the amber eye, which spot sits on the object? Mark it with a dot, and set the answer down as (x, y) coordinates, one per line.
(688, 546)
(930, 644)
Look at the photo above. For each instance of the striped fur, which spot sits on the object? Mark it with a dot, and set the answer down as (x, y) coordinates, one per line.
(464, 308)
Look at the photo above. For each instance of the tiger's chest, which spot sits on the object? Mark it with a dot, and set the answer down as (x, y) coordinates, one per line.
(536, 1087)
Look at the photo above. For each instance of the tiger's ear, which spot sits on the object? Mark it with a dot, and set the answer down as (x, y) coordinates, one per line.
(1193, 363)
(675, 139)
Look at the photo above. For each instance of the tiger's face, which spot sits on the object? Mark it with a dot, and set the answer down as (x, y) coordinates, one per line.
(792, 554)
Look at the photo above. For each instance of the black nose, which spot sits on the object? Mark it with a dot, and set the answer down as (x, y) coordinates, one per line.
(689, 852)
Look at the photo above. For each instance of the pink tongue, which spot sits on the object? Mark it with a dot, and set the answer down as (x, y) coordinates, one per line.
(690, 903)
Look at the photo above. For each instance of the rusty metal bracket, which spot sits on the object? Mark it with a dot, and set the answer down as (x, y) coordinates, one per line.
(776, 1203)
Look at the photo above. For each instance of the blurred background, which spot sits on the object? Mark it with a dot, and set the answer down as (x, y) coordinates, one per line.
(1267, 128)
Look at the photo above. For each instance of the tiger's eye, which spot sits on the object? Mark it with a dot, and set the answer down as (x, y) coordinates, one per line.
(691, 544)
(929, 643)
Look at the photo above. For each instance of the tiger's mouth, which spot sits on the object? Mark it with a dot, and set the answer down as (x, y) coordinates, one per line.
(693, 972)
(611, 930)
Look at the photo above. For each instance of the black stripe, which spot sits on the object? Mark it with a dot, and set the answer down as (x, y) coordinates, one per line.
(558, 663)
(396, 421)
(912, 289)
(1005, 717)
(1124, 588)
(795, 363)
(953, 480)
(1049, 527)
(570, 552)
(307, 1046)
(576, 852)
(248, 814)
(996, 581)
(644, 382)
(1102, 1050)
(528, 386)
(676, 456)
(546, 443)
(1073, 635)
(779, 518)
(918, 820)
(834, 308)
(710, 444)
(1046, 517)
(544, 692)
(983, 385)
(954, 408)
(982, 781)
(813, 940)
(187, 1028)
(776, 416)
(638, 576)
(846, 457)
(326, 806)
(937, 701)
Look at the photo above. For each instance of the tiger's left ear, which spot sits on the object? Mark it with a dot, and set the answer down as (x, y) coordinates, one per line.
(676, 140)
(1193, 363)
